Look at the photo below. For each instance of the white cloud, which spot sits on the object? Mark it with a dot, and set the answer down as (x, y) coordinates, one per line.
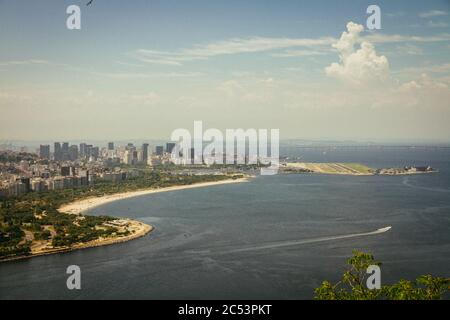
(409, 49)
(433, 13)
(299, 53)
(395, 14)
(231, 88)
(278, 47)
(136, 75)
(310, 47)
(437, 24)
(360, 66)
(346, 43)
(438, 69)
(393, 38)
(424, 93)
(376, 86)
(424, 82)
(147, 99)
(227, 47)
(23, 62)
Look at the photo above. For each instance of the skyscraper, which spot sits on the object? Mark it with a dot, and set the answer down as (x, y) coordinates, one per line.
(192, 154)
(145, 152)
(57, 153)
(73, 152)
(65, 151)
(95, 152)
(88, 150)
(159, 150)
(44, 151)
(82, 150)
(169, 147)
(110, 146)
(127, 157)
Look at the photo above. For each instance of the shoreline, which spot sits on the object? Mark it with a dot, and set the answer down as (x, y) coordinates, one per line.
(139, 229)
(142, 230)
(82, 205)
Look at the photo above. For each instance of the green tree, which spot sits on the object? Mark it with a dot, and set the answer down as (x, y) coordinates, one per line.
(353, 286)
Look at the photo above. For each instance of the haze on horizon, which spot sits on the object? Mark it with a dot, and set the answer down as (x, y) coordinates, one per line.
(144, 68)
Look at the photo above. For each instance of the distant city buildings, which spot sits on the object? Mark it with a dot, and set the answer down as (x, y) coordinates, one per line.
(169, 147)
(76, 165)
(44, 151)
(82, 150)
(127, 157)
(159, 150)
(145, 152)
(65, 151)
(57, 153)
(94, 153)
(73, 152)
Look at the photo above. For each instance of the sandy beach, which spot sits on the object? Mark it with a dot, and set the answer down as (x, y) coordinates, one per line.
(136, 229)
(83, 205)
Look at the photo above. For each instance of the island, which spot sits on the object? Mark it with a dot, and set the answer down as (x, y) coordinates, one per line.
(354, 169)
(327, 168)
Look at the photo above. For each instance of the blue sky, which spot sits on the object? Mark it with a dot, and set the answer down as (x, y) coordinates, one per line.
(139, 69)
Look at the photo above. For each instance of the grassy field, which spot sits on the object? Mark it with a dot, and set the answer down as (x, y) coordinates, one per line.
(331, 168)
(360, 168)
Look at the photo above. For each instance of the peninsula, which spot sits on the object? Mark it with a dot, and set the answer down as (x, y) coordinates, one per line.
(353, 169)
(53, 222)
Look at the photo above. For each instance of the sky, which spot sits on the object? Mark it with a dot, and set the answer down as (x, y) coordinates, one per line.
(141, 69)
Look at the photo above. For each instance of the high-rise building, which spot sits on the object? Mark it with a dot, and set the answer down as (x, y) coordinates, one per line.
(44, 151)
(127, 157)
(88, 150)
(82, 150)
(159, 150)
(110, 146)
(192, 154)
(57, 152)
(95, 152)
(145, 152)
(65, 151)
(169, 147)
(84, 177)
(73, 152)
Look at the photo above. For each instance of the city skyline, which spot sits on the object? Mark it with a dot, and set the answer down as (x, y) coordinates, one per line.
(138, 71)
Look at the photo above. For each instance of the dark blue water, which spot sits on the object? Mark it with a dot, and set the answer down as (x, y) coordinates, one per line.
(258, 239)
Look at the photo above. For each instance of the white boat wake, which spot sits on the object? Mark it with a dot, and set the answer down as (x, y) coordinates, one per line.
(308, 241)
(406, 182)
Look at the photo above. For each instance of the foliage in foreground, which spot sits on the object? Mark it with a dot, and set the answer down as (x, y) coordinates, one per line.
(353, 286)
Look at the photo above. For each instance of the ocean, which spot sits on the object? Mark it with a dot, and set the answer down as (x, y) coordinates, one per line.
(275, 237)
